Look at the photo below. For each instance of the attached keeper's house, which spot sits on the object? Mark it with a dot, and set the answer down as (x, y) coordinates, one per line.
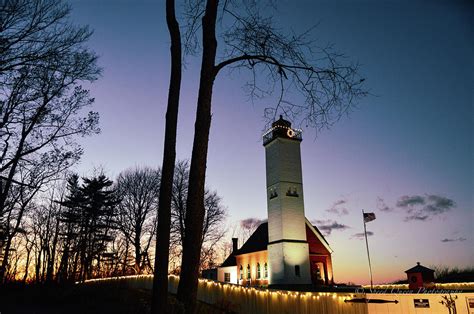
(288, 249)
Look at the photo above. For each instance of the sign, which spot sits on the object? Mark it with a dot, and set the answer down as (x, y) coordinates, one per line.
(421, 303)
(470, 305)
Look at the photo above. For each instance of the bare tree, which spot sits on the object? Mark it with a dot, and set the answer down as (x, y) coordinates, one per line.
(43, 61)
(138, 190)
(160, 279)
(215, 214)
(246, 228)
(287, 62)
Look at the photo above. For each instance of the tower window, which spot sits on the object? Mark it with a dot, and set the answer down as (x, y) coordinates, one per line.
(297, 271)
(292, 192)
(241, 272)
(273, 193)
(248, 271)
(258, 271)
(266, 270)
(226, 277)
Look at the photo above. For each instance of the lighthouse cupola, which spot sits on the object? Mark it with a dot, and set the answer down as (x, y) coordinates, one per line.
(281, 129)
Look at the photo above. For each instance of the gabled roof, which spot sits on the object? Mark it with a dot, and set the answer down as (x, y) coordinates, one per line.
(258, 241)
(319, 235)
(230, 261)
(419, 269)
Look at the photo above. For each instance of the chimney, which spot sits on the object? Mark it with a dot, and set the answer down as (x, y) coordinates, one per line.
(234, 244)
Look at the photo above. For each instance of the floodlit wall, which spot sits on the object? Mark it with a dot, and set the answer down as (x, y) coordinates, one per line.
(252, 300)
(252, 259)
(232, 270)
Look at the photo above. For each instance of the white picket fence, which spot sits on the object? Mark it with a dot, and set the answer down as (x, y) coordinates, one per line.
(253, 300)
(267, 301)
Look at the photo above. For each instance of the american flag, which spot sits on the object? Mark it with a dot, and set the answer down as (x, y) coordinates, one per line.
(369, 217)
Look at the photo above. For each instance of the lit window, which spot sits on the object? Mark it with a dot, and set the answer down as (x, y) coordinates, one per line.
(241, 272)
(248, 271)
(258, 271)
(266, 270)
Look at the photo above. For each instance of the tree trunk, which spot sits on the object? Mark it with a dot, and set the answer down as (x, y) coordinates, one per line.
(187, 289)
(138, 252)
(27, 262)
(3, 266)
(160, 279)
(52, 259)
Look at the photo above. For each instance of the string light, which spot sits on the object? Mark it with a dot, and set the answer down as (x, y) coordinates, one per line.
(296, 131)
(260, 293)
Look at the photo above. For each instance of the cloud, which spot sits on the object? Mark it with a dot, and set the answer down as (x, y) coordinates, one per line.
(439, 204)
(361, 236)
(460, 239)
(251, 223)
(327, 226)
(336, 209)
(409, 201)
(417, 216)
(423, 208)
(382, 206)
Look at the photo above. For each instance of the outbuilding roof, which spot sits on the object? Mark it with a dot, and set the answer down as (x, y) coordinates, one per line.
(419, 269)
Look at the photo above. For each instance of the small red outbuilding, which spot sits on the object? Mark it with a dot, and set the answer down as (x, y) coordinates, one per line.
(419, 277)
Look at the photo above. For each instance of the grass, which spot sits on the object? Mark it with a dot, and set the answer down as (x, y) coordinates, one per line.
(445, 274)
(75, 299)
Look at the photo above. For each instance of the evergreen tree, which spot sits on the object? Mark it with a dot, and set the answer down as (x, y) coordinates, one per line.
(89, 224)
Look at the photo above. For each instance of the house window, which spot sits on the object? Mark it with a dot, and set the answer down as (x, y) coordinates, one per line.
(258, 271)
(266, 270)
(241, 272)
(226, 277)
(248, 271)
(297, 271)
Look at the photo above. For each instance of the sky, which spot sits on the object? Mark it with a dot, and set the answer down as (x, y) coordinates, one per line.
(405, 153)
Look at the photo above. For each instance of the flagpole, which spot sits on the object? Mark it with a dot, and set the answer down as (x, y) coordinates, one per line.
(368, 255)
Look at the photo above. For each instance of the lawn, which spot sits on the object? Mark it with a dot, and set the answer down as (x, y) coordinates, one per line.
(72, 299)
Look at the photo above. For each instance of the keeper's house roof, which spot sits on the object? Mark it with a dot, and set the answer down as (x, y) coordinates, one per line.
(229, 261)
(419, 269)
(258, 241)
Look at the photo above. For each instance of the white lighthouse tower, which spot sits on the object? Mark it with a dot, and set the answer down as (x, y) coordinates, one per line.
(288, 253)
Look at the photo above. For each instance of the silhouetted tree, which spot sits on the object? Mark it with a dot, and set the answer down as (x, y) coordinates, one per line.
(70, 230)
(138, 190)
(31, 179)
(160, 279)
(42, 62)
(289, 62)
(91, 212)
(215, 214)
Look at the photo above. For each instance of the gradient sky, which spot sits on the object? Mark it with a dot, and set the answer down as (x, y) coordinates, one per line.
(405, 151)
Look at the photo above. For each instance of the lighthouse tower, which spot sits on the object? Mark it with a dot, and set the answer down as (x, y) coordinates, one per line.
(288, 253)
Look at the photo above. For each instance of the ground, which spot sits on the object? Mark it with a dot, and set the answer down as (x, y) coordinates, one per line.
(72, 299)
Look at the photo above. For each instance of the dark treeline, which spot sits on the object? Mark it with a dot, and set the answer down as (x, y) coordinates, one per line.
(55, 225)
(82, 228)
